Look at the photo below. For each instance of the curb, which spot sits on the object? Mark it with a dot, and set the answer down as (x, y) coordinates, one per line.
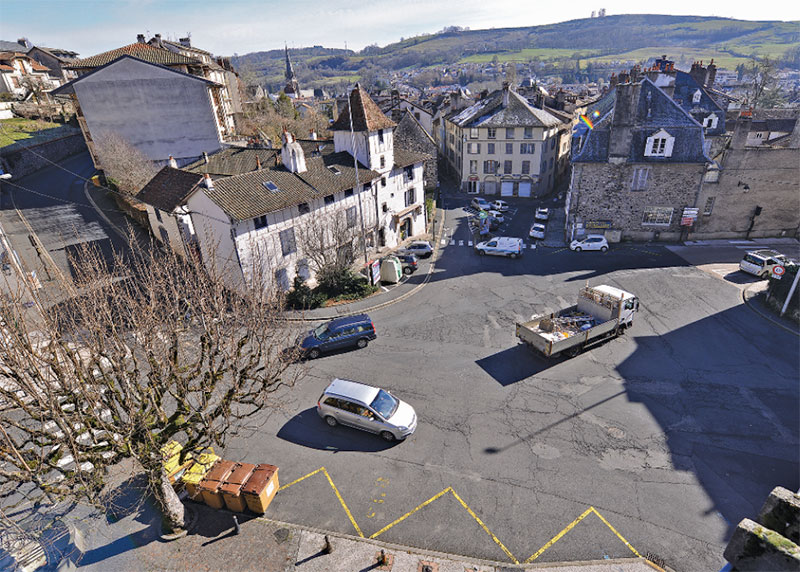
(431, 268)
(498, 564)
(99, 210)
(746, 300)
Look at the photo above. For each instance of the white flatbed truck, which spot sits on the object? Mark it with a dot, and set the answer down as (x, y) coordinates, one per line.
(602, 312)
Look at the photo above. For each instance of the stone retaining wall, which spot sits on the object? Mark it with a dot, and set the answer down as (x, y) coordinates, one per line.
(24, 160)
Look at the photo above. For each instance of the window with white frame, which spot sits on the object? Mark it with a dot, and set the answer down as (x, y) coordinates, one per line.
(657, 216)
(350, 212)
(709, 206)
(639, 180)
(489, 167)
(510, 132)
(473, 167)
(659, 144)
(509, 148)
(411, 197)
(527, 148)
(288, 245)
(473, 133)
(528, 133)
(710, 122)
(696, 96)
(492, 132)
(473, 148)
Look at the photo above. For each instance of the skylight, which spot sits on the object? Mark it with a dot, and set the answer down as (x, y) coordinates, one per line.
(334, 170)
(271, 187)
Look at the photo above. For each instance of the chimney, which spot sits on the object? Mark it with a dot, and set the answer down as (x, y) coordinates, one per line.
(186, 42)
(205, 157)
(172, 162)
(158, 41)
(258, 163)
(505, 94)
(24, 43)
(207, 182)
(140, 38)
(292, 155)
(623, 120)
(712, 74)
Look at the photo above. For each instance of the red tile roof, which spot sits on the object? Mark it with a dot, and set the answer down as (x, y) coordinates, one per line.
(144, 52)
(367, 116)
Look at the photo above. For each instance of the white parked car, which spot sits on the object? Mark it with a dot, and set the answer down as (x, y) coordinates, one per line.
(499, 205)
(761, 262)
(480, 204)
(591, 242)
(421, 248)
(497, 215)
(537, 231)
(542, 213)
(501, 246)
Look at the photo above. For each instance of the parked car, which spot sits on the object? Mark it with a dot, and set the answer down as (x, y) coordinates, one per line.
(500, 205)
(497, 215)
(501, 246)
(352, 331)
(367, 408)
(421, 248)
(591, 242)
(408, 261)
(761, 262)
(537, 230)
(480, 204)
(542, 213)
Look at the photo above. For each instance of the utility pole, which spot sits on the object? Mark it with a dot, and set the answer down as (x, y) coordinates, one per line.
(357, 190)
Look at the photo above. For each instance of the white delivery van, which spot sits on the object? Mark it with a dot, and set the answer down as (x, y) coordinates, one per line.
(501, 246)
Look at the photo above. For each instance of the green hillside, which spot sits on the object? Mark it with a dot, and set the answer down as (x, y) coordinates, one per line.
(598, 40)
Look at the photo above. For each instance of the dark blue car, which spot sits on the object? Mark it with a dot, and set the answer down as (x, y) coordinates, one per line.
(341, 333)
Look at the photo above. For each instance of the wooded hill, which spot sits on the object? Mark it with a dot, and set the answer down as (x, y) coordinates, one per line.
(608, 39)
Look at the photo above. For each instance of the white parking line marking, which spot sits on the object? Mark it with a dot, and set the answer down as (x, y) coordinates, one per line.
(461, 243)
(444, 242)
(469, 243)
(452, 243)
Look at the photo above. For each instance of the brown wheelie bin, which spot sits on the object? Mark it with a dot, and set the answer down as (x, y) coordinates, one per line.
(260, 488)
(232, 487)
(214, 479)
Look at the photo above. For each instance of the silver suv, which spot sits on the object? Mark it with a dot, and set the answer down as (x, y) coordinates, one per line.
(367, 408)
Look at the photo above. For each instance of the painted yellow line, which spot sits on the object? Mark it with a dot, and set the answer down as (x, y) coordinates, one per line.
(614, 530)
(344, 505)
(485, 528)
(406, 515)
(294, 482)
(555, 539)
(335, 491)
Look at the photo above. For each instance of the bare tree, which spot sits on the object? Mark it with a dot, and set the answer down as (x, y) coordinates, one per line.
(127, 167)
(329, 240)
(761, 79)
(152, 349)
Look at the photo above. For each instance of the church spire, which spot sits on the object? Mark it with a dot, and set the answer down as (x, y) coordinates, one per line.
(292, 88)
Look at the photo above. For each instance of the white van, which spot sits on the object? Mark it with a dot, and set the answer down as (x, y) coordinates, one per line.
(501, 246)
(761, 262)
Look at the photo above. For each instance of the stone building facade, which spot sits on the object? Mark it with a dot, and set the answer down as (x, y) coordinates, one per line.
(637, 169)
(754, 172)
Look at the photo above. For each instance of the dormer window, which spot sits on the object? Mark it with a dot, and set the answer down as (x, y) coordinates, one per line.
(696, 96)
(710, 122)
(659, 144)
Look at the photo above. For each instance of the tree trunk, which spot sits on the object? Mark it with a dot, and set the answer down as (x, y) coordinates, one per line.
(172, 511)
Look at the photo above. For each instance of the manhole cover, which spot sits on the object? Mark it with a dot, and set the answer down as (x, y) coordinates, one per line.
(281, 535)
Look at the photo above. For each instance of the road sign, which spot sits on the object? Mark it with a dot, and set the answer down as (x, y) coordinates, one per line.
(778, 272)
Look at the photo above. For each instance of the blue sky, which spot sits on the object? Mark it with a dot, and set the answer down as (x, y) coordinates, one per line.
(242, 26)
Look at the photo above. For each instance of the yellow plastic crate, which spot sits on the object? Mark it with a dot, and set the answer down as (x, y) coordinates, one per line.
(171, 454)
(201, 464)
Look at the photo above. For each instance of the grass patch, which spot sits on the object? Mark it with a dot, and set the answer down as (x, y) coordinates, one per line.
(678, 54)
(528, 54)
(26, 130)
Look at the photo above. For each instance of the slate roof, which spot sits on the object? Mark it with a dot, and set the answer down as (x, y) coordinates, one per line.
(490, 112)
(658, 111)
(233, 161)
(6, 46)
(244, 196)
(405, 157)
(139, 50)
(685, 88)
(367, 116)
(182, 47)
(168, 189)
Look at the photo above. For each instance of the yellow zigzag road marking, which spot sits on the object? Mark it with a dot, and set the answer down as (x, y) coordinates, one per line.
(336, 492)
(437, 496)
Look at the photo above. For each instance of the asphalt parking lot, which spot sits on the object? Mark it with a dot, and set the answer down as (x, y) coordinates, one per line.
(656, 443)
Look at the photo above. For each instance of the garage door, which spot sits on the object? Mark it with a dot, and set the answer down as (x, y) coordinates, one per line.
(524, 189)
(489, 187)
(507, 189)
